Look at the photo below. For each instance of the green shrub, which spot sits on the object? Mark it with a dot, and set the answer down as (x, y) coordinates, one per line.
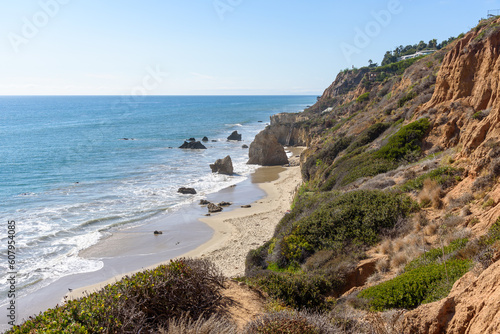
(367, 136)
(433, 255)
(479, 115)
(299, 290)
(326, 155)
(363, 97)
(403, 145)
(489, 203)
(399, 67)
(421, 285)
(444, 176)
(408, 97)
(142, 302)
(406, 141)
(349, 169)
(356, 217)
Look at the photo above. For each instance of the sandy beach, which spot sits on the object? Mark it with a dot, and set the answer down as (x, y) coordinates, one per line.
(238, 231)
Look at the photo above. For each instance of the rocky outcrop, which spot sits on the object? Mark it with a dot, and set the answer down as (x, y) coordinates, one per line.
(473, 306)
(266, 151)
(223, 166)
(184, 190)
(194, 145)
(467, 93)
(214, 208)
(289, 130)
(204, 139)
(234, 136)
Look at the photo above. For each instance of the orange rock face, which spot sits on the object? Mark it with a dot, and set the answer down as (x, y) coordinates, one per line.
(473, 306)
(467, 95)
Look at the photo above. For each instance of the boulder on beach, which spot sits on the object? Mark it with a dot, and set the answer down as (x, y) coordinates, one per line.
(191, 139)
(204, 139)
(157, 232)
(225, 203)
(204, 202)
(184, 190)
(223, 166)
(244, 146)
(214, 208)
(234, 136)
(194, 145)
(266, 151)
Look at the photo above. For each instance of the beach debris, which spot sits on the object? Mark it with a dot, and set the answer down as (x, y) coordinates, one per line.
(184, 190)
(234, 136)
(246, 206)
(223, 166)
(244, 146)
(157, 232)
(194, 145)
(204, 139)
(265, 150)
(225, 203)
(204, 202)
(214, 208)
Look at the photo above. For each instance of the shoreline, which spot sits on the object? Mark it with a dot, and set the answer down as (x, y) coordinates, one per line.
(224, 238)
(237, 231)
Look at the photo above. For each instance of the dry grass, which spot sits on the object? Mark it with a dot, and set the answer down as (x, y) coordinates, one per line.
(389, 322)
(374, 278)
(430, 229)
(291, 322)
(411, 241)
(399, 260)
(453, 221)
(212, 325)
(459, 233)
(465, 211)
(460, 201)
(398, 245)
(431, 194)
(383, 265)
(385, 247)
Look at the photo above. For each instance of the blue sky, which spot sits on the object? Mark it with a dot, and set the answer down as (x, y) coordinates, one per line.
(206, 47)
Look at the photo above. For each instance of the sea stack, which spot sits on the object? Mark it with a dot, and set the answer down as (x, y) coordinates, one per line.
(223, 166)
(266, 151)
(234, 136)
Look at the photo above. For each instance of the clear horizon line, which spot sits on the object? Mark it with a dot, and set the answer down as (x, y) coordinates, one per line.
(159, 95)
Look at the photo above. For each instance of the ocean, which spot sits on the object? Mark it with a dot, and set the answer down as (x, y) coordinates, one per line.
(74, 169)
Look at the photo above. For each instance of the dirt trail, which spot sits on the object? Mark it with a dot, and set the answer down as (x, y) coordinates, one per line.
(244, 303)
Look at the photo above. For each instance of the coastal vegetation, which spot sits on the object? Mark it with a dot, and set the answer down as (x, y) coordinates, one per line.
(143, 302)
(399, 202)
